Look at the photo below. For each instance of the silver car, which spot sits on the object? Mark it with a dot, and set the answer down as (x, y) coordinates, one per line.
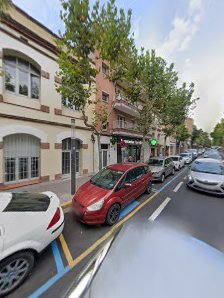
(178, 162)
(207, 175)
(161, 167)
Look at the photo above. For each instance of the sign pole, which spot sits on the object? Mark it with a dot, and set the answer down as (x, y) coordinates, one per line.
(73, 158)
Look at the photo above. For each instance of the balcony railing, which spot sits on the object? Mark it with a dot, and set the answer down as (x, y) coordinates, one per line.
(124, 125)
(122, 105)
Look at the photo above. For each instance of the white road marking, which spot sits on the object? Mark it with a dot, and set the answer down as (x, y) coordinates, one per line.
(178, 187)
(157, 212)
(185, 177)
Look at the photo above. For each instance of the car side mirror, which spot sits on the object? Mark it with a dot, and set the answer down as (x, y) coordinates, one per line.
(127, 185)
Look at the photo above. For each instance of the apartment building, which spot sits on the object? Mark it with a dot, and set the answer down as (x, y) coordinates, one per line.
(35, 122)
(122, 121)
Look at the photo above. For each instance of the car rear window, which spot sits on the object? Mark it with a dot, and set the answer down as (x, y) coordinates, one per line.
(28, 202)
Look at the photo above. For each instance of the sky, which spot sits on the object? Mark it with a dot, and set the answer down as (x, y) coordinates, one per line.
(186, 32)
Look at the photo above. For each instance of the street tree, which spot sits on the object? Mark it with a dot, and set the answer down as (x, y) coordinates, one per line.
(104, 30)
(177, 103)
(218, 134)
(145, 82)
(181, 135)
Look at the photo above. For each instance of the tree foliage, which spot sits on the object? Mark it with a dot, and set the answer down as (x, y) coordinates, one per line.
(218, 134)
(99, 29)
(200, 138)
(4, 6)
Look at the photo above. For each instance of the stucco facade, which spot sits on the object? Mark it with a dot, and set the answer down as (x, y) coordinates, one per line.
(44, 118)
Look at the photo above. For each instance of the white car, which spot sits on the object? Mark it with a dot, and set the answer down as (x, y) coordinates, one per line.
(187, 157)
(178, 162)
(29, 222)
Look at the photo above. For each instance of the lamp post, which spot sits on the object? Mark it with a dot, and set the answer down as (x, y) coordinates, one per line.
(73, 157)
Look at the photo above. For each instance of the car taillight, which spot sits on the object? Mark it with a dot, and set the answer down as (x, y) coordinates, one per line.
(55, 219)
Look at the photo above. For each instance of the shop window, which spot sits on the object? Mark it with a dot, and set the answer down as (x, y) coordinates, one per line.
(21, 77)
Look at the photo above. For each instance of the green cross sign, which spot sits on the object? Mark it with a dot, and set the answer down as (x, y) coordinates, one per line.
(153, 142)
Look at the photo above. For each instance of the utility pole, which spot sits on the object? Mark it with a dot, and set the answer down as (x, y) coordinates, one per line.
(73, 157)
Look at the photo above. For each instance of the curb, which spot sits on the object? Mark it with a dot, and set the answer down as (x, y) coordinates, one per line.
(66, 205)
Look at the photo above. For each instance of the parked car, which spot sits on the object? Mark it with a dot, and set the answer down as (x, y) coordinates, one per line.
(207, 175)
(187, 157)
(29, 223)
(194, 153)
(213, 154)
(161, 167)
(178, 162)
(101, 199)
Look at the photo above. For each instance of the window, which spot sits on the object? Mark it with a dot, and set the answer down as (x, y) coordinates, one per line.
(139, 172)
(105, 127)
(21, 77)
(121, 121)
(105, 69)
(130, 177)
(68, 103)
(21, 157)
(105, 97)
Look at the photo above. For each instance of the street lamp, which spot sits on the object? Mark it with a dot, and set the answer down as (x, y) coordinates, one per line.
(73, 157)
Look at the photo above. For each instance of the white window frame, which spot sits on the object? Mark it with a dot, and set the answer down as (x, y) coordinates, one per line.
(29, 71)
(67, 106)
(106, 94)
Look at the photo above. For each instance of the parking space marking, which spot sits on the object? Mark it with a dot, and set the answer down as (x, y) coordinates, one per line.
(49, 283)
(128, 209)
(57, 256)
(178, 186)
(111, 231)
(66, 250)
(61, 271)
(157, 212)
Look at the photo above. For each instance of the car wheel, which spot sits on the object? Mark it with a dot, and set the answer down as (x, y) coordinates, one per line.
(173, 171)
(162, 178)
(149, 188)
(14, 270)
(179, 168)
(113, 214)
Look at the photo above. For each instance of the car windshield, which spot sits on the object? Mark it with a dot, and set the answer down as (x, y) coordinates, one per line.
(107, 178)
(155, 162)
(175, 158)
(185, 154)
(208, 167)
(213, 155)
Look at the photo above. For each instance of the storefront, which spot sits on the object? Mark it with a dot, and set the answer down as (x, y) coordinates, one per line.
(132, 148)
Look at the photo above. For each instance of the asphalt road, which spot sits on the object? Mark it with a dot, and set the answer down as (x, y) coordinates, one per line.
(200, 214)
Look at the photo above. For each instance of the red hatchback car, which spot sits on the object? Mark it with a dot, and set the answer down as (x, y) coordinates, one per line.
(101, 199)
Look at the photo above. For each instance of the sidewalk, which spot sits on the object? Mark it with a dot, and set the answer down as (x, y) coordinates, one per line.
(60, 187)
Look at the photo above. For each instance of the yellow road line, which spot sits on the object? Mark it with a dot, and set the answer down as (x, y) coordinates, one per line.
(66, 250)
(112, 230)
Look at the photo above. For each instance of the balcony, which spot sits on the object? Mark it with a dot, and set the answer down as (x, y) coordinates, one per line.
(122, 105)
(126, 129)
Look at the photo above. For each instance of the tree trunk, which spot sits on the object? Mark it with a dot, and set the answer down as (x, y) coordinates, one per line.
(98, 136)
(165, 138)
(143, 149)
